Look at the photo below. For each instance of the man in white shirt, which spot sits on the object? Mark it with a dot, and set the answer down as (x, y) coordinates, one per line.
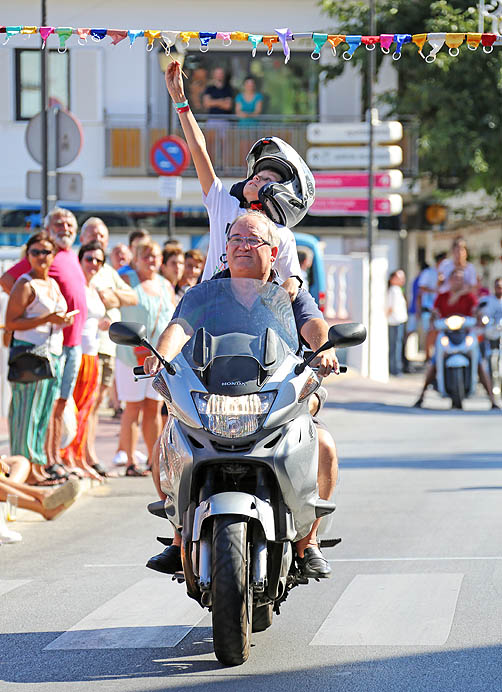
(458, 260)
(397, 316)
(115, 293)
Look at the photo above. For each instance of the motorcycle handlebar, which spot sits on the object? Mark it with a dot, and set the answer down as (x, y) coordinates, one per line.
(139, 370)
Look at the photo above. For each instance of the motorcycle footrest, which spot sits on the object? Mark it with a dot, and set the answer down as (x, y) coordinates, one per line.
(164, 540)
(329, 542)
(157, 509)
(179, 577)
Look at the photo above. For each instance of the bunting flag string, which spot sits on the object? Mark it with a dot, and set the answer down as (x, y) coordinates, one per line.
(284, 37)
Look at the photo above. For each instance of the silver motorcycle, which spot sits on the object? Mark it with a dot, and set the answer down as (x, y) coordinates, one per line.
(239, 453)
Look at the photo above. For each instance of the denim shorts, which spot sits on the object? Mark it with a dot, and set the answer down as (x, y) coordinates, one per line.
(70, 361)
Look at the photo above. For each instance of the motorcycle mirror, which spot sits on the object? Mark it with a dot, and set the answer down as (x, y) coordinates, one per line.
(339, 336)
(127, 333)
(346, 335)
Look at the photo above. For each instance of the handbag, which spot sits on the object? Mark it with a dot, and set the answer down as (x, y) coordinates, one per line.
(30, 363)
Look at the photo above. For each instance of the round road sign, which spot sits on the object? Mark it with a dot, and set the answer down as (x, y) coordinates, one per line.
(69, 136)
(169, 156)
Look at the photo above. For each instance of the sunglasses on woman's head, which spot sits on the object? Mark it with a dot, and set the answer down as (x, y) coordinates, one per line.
(91, 258)
(35, 252)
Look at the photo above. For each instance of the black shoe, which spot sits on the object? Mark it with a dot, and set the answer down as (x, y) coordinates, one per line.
(313, 564)
(418, 403)
(168, 561)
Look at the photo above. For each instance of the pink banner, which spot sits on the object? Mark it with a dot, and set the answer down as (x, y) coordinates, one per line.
(349, 207)
(338, 180)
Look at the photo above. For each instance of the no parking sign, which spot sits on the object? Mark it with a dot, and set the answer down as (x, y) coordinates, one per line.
(169, 156)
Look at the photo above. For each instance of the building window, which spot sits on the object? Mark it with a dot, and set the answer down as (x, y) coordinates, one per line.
(286, 89)
(28, 92)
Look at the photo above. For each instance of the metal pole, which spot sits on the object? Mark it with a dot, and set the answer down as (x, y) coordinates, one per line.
(170, 210)
(44, 102)
(371, 215)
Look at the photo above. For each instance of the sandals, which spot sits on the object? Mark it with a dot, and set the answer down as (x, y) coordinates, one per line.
(135, 471)
(102, 471)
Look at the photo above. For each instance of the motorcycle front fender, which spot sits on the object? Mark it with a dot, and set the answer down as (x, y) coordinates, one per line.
(457, 360)
(234, 503)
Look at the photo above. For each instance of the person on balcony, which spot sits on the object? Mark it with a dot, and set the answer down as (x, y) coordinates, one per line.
(279, 184)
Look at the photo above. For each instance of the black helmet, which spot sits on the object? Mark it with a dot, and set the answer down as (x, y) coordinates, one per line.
(285, 202)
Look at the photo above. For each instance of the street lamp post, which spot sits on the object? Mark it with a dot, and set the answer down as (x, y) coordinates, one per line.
(44, 108)
(371, 213)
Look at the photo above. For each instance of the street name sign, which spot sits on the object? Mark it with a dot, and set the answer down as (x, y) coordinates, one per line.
(354, 133)
(354, 157)
(390, 205)
(391, 180)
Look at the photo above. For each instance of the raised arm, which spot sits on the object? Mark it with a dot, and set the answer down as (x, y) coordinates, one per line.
(193, 134)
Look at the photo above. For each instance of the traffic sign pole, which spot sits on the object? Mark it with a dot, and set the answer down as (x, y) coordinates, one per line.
(371, 216)
(43, 94)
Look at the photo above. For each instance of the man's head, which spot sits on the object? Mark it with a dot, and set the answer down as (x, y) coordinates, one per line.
(94, 229)
(120, 256)
(218, 77)
(252, 246)
(439, 258)
(305, 257)
(137, 236)
(62, 226)
(497, 287)
(397, 278)
(457, 280)
(173, 264)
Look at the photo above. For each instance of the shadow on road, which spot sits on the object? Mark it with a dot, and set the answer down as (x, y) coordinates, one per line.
(467, 460)
(475, 669)
(377, 407)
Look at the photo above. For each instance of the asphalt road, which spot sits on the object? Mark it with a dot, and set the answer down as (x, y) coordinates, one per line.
(415, 602)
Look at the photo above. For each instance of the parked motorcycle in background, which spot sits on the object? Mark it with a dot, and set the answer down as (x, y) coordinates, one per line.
(457, 357)
(239, 454)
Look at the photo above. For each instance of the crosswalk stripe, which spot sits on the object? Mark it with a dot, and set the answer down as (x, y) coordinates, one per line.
(392, 609)
(152, 613)
(7, 585)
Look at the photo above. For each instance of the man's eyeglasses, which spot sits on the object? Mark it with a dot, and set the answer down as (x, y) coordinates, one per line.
(36, 253)
(251, 240)
(94, 260)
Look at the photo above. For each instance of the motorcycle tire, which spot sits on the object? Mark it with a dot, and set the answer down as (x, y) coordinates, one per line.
(457, 387)
(231, 593)
(262, 617)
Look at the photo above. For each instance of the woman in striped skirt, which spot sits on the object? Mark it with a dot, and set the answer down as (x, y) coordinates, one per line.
(36, 314)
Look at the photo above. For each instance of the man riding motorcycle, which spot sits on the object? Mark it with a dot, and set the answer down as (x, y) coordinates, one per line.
(252, 245)
(458, 300)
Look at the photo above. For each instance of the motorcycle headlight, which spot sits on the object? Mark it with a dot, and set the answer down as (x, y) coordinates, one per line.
(444, 341)
(469, 340)
(233, 416)
(455, 322)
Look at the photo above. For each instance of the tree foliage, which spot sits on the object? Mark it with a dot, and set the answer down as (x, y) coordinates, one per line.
(458, 101)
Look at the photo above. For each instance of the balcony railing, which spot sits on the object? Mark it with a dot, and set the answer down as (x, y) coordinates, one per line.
(129, 140)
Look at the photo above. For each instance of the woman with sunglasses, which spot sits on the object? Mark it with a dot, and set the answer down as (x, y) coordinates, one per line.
(36, 314)
(91, 257)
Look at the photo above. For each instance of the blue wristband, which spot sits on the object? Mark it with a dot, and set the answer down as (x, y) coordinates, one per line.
(181, 105)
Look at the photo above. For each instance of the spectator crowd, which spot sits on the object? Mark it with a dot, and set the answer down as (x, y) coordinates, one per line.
(61, 304)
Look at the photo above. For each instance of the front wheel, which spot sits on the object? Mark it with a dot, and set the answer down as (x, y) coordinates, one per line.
(230, 590)
(456, 386)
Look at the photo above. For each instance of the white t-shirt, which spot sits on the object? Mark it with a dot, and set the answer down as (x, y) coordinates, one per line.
(492, 307)
(396, 303)
(105, 278)
(95, 312)
(446, 268)
(223, 208)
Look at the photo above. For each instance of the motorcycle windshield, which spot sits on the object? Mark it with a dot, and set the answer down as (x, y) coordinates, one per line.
(237, 306)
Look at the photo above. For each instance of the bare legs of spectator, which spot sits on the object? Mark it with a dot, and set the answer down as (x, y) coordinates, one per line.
(55, 433)
(150, 427)
(90, 448)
